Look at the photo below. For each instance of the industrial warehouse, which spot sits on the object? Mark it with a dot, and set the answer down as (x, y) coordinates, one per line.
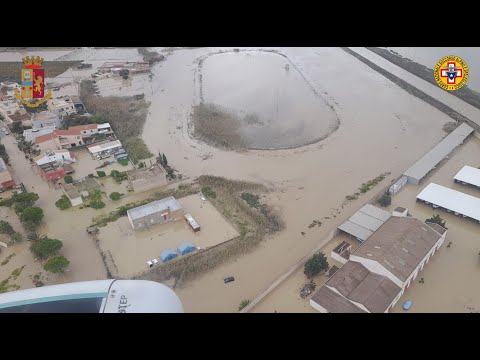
(380, 270)
(468, 175)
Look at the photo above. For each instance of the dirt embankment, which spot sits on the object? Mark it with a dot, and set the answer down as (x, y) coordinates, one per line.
(413, 90)
(465, 93)
(252, 222)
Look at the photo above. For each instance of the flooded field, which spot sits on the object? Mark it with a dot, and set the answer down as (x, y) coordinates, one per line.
(131, 249)
(274, 105)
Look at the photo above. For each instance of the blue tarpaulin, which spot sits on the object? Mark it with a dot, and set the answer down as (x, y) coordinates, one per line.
(185, 248)
(167, 255)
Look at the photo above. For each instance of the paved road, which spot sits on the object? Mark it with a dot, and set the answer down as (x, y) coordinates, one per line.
(445, 97)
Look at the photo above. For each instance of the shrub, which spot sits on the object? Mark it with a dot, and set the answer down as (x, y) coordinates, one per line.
(315, 265)
(57, 264)
(6, 228)
(115, 196)
(101, 173)
(68, 179)
(16, 237)
(437, 220)
(31, 217)
(244, 303)
(251, 199)
(123, 162)
(208, 192)
(63, 203)
(46, 247)
(385, 200)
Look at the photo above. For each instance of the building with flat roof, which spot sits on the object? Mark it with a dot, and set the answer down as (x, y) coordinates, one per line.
(73, 194)
(105, 147)
(45, 119)
(468, 175)
(87, 185)
(31, 134)
(381, 268)
(147, 178)
(157, 212)
(431, 159)
(459, 203)
(6, 180)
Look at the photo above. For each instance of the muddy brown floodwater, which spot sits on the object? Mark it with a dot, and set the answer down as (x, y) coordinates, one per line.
(276, 107)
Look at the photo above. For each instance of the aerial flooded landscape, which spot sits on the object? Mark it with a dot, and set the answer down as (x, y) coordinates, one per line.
(243, 179)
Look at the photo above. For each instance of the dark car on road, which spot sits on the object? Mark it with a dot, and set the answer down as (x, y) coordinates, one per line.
(229, 279)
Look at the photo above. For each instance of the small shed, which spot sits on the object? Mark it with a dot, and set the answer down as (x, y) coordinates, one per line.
(186, 248)
(168, 255)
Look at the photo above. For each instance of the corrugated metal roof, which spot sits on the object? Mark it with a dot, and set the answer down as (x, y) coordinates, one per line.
(452, 200)
(104, 146)
(469, 175)
(423, 166)
(355, 230)
(365, 221)
(154, 207)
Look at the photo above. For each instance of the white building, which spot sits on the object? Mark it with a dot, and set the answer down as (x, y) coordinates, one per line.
(73, 194)
(106, 147)
(382, 268)
(56, 156)
(61, 107)
(32, 134)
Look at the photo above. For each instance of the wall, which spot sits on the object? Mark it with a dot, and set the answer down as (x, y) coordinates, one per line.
(141, 185)
(337, 257)
(397, 185)
(150, 220)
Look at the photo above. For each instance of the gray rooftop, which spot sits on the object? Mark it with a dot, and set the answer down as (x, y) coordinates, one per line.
(31, 135)
(154, 207)
(423, 166)
(365, 222)
(3, 166)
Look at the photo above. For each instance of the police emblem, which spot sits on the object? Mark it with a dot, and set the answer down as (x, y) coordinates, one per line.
(451, 72)
(33, 83)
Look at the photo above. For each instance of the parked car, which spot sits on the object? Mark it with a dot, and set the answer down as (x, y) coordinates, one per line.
(229, 279)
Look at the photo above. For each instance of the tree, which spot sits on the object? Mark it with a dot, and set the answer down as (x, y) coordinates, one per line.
(68, 179)
(46, 247)
(160, 158)
(31, 217)
(17, 127)
(124, 73)
(23, 200)
(436, 219)
(385, 200)
(63, 203)
(115, 196)
(3, 154)
(101, 173)
(243, 303)
(6, 228)
(57, 264)
(165, 162)
(315, 265)
(96, 199)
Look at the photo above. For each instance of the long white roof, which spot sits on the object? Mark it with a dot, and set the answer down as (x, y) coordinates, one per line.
(423, 166)
(452, 200)
(469, 175)
(105, 146)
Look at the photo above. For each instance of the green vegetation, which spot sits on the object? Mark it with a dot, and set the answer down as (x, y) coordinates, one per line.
(46, 247)
(16, 237)
(315, 223)
(136, 149)
(17, 127)
(9, 71)
(6, 228)
(118, 176)
(251, 224)
(125, 114)
(101, 173)
(243, 303)
(437, 220)
(5, 285)
(385, 200)
(20, 201)
(251, 200)
(371, 183)
(315, 265)
(182, 191)
(31, 217)
(115, 196)
(68, 179)
(74, 120)
(5, 262)
(123, 162)
(3, 154)
(57, 264)
(96, 199)
(164, 160)
(124, 73)
(208, 192)
(63, 203)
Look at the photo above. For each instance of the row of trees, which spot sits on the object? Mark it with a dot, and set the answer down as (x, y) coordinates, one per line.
(46, 248)
(24, 205)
